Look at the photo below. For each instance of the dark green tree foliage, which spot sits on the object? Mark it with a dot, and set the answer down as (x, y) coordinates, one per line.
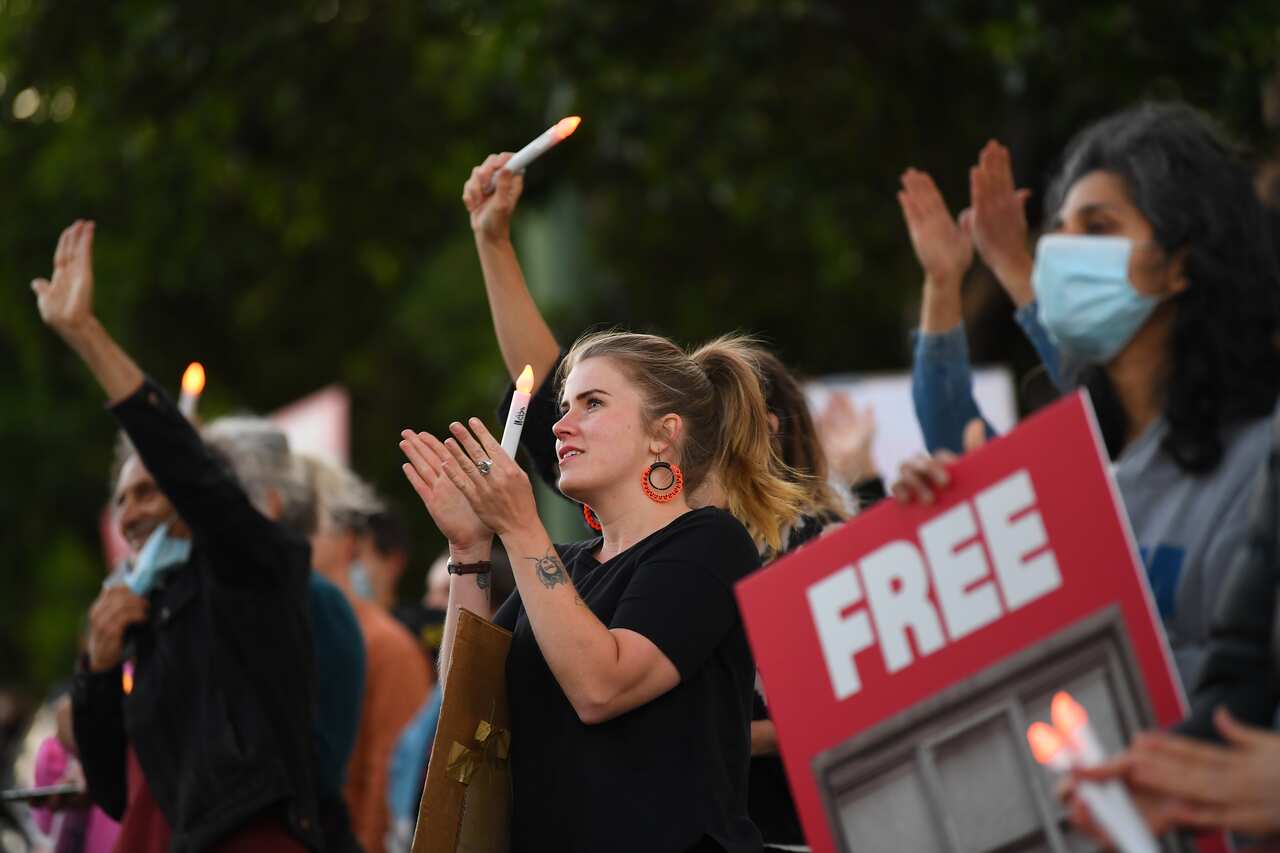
(277, 195)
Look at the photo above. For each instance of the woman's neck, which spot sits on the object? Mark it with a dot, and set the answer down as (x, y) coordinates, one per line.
(624, 523)
(1138, 373)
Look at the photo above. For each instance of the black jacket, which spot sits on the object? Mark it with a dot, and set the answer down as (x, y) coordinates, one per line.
(1242, 665)
(220, 714)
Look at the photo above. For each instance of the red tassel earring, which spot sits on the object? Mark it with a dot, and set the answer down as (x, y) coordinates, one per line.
(590, 518)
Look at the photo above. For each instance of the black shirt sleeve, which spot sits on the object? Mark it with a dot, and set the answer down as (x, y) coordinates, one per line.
(507, 612)
(537, 439)
(1239, 671)
(97, 718)
(681, 598)
(203, 491)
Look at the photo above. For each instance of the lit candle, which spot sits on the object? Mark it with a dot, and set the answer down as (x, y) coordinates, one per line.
(519, 408)
(547, 140)
(192, 386)
(1070, 742)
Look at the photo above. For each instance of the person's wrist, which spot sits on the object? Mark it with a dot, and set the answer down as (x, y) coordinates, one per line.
(493, 237)
(78, 330)
(1014, 275)
(474, 552)
(943, 284)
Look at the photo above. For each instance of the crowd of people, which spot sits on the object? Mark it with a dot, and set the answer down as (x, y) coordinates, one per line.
(248, 682)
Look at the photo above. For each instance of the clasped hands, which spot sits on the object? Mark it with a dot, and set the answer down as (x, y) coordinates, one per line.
(467, 505)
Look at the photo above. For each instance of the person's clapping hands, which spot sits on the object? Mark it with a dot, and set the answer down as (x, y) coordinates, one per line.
(997, 221)
(66, 300)
(847, 434)
(491, 212)
(495, 489)
(942, 243)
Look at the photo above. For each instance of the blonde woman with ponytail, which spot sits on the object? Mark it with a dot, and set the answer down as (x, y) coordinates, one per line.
(629, 675)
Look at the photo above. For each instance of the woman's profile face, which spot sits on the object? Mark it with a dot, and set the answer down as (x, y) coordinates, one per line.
(600, 438)
(1099, 204)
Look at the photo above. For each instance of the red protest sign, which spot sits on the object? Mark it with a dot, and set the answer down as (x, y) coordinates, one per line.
(914, 644)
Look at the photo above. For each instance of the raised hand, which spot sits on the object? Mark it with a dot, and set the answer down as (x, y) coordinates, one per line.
(943, 247)
(998, 221)
(66, 302)
(491, 213)
(847, 434)
(450, 511)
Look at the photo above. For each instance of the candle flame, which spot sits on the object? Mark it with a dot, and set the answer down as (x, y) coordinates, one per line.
(126, 677)
(525, 383)
(566, 126)
(1069, 716)
(1045, 742)
(193, 379)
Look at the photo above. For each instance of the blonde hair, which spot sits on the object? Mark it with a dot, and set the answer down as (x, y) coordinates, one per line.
(716, 391)
(343, 501)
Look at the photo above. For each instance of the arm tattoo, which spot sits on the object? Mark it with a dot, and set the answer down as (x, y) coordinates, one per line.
(483, 580)
(549, 569)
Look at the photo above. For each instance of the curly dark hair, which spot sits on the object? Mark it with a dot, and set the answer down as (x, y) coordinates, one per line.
(1198, 192)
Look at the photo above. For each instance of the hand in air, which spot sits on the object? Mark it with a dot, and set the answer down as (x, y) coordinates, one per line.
(847, 434)
(941, 243)
(998, 221)
(66, 301)
(491, 213)
(115, 609)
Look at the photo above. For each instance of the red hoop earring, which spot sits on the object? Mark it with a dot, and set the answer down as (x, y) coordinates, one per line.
(589, 516)
(662, 494)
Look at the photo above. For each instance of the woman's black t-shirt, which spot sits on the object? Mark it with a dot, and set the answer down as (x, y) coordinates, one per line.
(662, 776)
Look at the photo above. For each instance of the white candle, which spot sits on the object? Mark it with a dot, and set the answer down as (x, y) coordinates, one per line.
(192, 386)
(1077, 745)
(519, 408)
(548, 139)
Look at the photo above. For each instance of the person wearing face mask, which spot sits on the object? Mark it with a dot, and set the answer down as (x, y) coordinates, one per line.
(396, 674)
(1158, 289)
(208, 746)
(629, 674)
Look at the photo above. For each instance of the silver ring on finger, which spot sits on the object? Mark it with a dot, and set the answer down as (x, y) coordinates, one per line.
(484, 466)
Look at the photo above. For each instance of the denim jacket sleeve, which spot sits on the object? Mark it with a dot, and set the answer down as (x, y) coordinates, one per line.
(1061, 373)
(942, 389)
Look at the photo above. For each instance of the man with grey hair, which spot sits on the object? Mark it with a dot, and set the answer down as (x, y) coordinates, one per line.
(258, 452)
(396, 674)
(210, 742)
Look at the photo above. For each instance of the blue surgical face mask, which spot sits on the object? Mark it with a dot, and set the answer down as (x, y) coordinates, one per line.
(361, 583)
(1087, 303)
(160, 553)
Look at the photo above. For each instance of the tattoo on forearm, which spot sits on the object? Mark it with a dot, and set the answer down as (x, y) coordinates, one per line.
(483, 579)
(549, 569)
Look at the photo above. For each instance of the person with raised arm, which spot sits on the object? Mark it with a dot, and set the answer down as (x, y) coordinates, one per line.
(1159, 284)
(629, 675)
(209, 746)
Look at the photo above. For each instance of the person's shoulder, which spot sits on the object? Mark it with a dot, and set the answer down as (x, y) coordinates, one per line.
(713, 537)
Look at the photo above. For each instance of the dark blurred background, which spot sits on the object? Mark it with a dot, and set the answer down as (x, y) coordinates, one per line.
(277, 191)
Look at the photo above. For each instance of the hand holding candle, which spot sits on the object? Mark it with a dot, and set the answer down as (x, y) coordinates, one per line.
(543, 143)
(192, 387)
(1071, 743)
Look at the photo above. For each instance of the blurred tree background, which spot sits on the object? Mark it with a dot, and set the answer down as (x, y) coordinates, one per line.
(277, 191)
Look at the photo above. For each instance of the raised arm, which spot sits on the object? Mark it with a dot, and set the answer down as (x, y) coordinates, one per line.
(998, 223)
(203, 492)
(941, 384)
(66, 306)
(523, 335)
